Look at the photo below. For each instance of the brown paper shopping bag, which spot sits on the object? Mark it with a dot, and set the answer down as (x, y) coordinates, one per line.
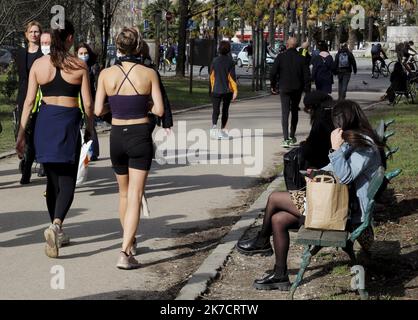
(327, 204)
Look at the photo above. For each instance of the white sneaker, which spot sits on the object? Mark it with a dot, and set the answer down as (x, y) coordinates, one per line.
(223, 135)
(51, 238)
(126, 262)
(214, 132)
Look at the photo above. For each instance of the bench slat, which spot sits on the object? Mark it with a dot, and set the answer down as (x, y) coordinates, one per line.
(334, 239)
(322, 238)
(309, 237)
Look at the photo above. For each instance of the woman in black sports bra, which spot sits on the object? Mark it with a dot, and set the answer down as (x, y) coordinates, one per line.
(61, 77)
(130, 88)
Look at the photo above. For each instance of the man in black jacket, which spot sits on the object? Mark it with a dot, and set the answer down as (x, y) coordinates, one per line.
(344, 64)
(25, 57)
(292, 75)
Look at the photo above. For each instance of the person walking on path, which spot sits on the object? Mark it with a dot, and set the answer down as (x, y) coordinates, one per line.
(86, 53)
(46, 42)
(344, 65)
(61, 77)
(224, 88)
(322, 69)
(170, 54)
(292, 75)
(129, 87)
(25, 59)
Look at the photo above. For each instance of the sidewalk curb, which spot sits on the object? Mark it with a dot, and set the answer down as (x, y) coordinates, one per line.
(201, 279)
(12, 153)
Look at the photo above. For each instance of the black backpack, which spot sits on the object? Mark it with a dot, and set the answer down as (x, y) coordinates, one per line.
(294, 162)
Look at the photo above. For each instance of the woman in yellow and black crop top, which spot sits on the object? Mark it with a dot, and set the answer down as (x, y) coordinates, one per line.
(61, 77)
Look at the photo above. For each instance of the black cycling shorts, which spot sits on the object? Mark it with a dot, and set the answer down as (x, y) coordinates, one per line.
(131, 147)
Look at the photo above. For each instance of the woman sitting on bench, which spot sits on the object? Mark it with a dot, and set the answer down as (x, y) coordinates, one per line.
(354, 158)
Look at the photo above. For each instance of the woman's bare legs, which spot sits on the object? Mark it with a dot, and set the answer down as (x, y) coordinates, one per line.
(136, 186)
(123, 182)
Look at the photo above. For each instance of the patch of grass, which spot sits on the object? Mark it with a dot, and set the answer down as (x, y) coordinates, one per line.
(340, 270)
(324, 255)
(406, 137)
(7, 141)
(180, 97)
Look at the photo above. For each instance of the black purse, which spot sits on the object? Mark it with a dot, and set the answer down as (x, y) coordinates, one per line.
(293, 163)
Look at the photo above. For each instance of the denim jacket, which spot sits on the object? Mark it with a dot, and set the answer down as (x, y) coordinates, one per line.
(355, 167)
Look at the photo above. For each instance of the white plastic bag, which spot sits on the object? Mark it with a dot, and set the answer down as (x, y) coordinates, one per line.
(144, 207)
(85, 156)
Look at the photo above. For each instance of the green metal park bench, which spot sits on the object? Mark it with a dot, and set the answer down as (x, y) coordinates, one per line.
(314, 240)
(384, 136)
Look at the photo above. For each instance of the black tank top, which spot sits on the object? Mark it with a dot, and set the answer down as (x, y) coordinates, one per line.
(59, 87)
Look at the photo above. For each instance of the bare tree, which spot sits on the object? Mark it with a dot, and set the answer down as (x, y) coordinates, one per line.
(15, 14)
(184, 16)
(103, 12)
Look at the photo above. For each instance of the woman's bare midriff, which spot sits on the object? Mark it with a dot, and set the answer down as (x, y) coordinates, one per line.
(68, 102)
(120, 122)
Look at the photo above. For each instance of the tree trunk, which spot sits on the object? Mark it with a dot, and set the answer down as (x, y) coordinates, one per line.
(310, 35)
(181, 58)
(352, 39)
(304, 21)
(242, 28)
(286, 31)
(322, 30)
(371, 25)
(272, 29)
(389, 13)
(299, 37)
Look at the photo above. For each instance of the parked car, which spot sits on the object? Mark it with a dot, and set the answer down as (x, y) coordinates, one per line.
(236, 49)
(242, 59)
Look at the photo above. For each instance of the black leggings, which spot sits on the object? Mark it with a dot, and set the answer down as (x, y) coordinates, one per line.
(60, 188)
(290, 105)
(216, 100)
(29, 155)
(280, 215)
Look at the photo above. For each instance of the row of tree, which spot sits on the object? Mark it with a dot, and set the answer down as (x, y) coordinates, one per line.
(311, 20)
(305, 19)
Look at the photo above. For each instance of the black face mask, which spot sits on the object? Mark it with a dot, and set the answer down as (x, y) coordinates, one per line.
(132, 58)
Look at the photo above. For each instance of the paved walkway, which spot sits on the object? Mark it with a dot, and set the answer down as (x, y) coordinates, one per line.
(191, 205)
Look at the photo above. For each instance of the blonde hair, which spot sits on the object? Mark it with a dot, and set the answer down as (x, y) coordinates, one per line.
(127, 41)
(31, 24)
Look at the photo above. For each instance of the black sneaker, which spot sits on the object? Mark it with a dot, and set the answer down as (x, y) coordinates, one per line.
(24, 181)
